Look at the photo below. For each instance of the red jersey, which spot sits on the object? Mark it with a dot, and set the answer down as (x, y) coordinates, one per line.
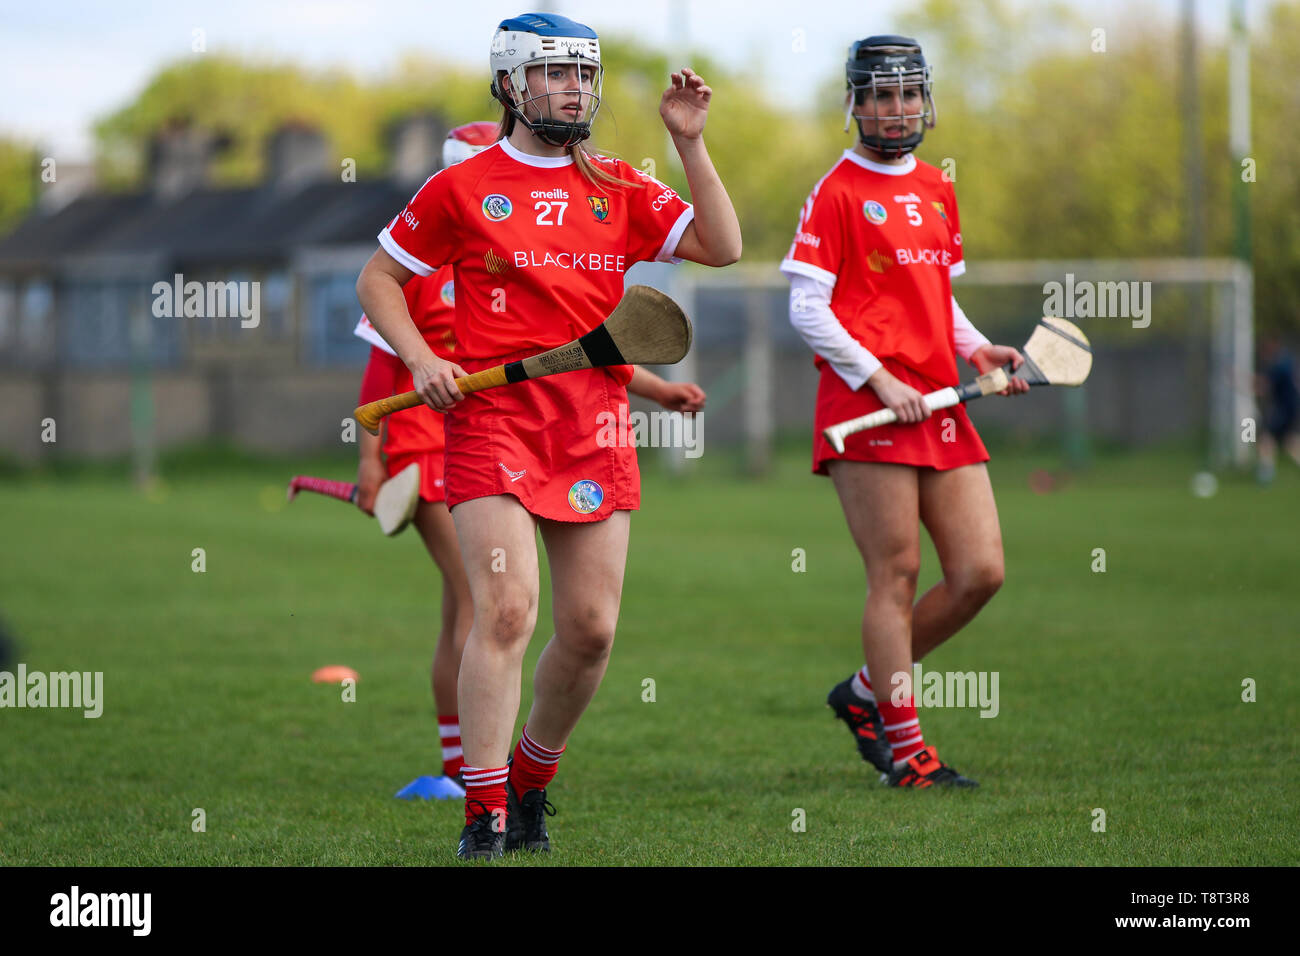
(431, 300)
(539, 251)
(888, 239)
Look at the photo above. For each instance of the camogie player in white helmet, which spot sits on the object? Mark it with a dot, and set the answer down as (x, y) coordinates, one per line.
(870, 269)
(541, 233)
(415, 436)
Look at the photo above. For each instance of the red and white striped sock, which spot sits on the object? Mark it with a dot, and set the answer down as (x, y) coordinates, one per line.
(902, 729)
(861, 685)
(453, 757)
(485, 792)
(533, 766)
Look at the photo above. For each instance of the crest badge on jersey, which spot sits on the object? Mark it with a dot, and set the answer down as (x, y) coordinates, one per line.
(938, 207)
(874, 211)
(497, 207)
(599, 207)
(585, 496)
(448, 293)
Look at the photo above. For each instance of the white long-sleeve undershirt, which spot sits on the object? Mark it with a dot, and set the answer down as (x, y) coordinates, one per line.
(811, 315)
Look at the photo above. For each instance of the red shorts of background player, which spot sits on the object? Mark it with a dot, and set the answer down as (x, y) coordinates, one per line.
(921, 445)
(415, 435)
(545, 442)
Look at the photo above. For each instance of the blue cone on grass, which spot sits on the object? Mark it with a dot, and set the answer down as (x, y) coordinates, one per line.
(431, 788)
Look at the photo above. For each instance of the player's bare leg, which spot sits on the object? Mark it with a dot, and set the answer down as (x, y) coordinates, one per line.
(958, 510)
(503, 587)
(587, 563)
(880, 503)
(438, 531)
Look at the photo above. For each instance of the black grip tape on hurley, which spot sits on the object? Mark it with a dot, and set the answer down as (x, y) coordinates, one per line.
(600, 348)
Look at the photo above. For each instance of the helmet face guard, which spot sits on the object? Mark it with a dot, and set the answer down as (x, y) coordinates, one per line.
(879, 64)
(547, 41)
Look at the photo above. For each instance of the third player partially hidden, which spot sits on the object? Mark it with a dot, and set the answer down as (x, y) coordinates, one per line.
(870, 269)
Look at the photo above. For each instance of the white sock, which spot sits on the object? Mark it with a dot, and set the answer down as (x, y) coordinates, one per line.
(861, 685)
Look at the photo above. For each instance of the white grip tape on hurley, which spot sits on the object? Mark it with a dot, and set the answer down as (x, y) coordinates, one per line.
(943, 398)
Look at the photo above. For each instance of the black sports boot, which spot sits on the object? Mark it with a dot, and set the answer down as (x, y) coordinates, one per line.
(485, 838)
(865, 724)
(927, 770)
(526, 821)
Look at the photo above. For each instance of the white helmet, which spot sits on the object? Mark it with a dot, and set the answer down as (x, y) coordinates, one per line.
(544, 39)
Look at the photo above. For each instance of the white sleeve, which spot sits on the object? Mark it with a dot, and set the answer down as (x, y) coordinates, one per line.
(369, 333)
(965, 336)
(811, 315)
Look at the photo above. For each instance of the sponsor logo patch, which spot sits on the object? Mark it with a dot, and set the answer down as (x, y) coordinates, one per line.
(878, 262)
(585, 496)
(497, 207)
(875, 212)
(495, 264)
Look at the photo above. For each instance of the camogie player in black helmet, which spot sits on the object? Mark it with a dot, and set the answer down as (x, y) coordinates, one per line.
(870, 268)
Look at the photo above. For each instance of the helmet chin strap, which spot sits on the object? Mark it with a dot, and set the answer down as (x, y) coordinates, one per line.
(551, 131)
(897, 150)
(905, 144)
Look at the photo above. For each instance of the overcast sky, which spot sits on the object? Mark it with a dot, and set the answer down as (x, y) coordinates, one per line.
(65, 64)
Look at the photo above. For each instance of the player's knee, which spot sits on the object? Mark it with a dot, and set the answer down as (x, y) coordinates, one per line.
(977, 583)
(508, 619)
(589, 633)
(897, 577)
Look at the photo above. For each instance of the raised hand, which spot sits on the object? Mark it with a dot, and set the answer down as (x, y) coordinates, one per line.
(685, 104)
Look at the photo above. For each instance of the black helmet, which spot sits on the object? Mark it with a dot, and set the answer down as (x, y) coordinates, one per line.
(880, 62)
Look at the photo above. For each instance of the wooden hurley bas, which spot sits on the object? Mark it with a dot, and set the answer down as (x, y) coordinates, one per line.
(395, 503)
(646, 328)
(1057, 353)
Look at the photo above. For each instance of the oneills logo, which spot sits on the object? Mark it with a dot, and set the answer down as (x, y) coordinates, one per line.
(495, 264)
(877, 262)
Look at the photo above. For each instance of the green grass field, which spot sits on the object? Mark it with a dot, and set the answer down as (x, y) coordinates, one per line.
(1119, 690)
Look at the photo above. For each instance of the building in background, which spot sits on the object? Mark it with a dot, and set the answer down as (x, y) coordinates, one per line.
(78, 322)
